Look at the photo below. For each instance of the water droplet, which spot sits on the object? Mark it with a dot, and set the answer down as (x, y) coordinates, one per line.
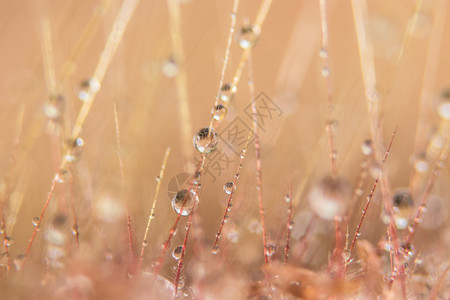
(177, 252)
(327, 198)
(367, 147)
(421, 165)
(219, 111)
(287, 198)
(346, 254)
(229, 188)
(144, 243)
(323, 53)
(206, 141)
(325, 72)
(35, 221)
(158, 178)
(170, 68)
(74, 149)
(55, 106)
(63, 176)
(375, 170)
(291, 225)
(402, 203)
(18, 261)
(233, 236)
(88, 88)
(215, 249)
(227, 91)
(184, 202)
(75, 229)
(270, 250)
(407, 249)
(9, 241)
(247, 36)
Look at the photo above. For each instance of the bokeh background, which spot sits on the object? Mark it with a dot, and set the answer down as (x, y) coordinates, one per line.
(410, 45)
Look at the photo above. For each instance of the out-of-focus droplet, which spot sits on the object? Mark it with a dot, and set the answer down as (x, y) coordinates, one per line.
(402, 203)
(63, 176)
(74, 149)
(215, 249)
(328, 197)
(206, 141)
(75, 229)
(367, 147)
(9, 241)
(170, 68)
(270, 250)
(55, 106)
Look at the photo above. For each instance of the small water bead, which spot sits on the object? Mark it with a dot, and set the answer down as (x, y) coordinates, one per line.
(55, 107)
(88, 87)
(18, 261)
(270, 250)
(74, 149)
(63, 176)
(176, 254)
(402, 203)
(287, 198)
(229, 188)
(75, 229)
(367, 147)
(183, 202)
(323, 53)
(346, 255)
(170, 68)
(375, 169)
(9, 241)
(35, 221)
(247, 36)
(144, 243)
(327, 198)
(215, 249)
(206, 141)
(291, 225)
(444, 111)
(233, 236)
(325, 72)
(219, 112)
(227, 91)
(408, 250)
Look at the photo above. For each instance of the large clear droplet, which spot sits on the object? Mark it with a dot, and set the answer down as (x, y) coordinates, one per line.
(328, 197)
(183, 202)
(205, 140)
(247, 36)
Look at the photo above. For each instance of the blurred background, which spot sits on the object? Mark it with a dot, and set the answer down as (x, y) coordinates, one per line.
(66, 38)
